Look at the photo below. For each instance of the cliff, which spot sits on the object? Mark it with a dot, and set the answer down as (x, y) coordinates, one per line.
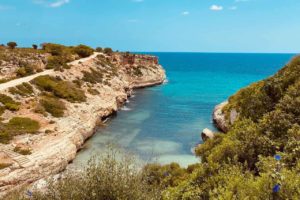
(83, 93)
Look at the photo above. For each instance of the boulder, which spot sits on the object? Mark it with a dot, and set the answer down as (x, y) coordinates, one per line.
(207, 134)
(219, 117)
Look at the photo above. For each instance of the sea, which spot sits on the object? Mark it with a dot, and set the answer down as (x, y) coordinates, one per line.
(163, 124)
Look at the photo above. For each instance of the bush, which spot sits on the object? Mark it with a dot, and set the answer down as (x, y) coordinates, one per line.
(12, 45)
(108, 51)
(83, 51)
(53, 105)
(22, 151)
(55, 62)
(9, 103)
(17, 126)
(112, 176)
(99, 49)
(54, 49)
(21, 125)
(92, 77)
(61, 89)
(25, 90)
(34, 46)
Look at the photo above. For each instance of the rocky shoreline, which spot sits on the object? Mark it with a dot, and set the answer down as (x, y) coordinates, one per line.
(53, 152)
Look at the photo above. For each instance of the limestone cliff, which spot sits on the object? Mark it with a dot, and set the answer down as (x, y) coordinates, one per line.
(60, 138)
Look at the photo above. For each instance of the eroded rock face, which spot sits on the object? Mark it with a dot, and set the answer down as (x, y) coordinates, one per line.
(219, 117)
(58, 142)
(207, 134)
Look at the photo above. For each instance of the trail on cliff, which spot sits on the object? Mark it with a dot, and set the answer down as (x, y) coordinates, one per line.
(19, 81)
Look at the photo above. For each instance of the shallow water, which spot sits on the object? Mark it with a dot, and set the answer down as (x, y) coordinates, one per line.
(164, 123)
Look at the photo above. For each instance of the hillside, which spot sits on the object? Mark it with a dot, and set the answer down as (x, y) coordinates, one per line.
(258, 155)
(53, 98)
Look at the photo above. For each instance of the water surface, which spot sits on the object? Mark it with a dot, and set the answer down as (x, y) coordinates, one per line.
(163, 123)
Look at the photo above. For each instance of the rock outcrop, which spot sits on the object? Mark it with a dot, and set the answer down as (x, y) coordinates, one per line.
(60, 138)
(207, 134)
(219, 117)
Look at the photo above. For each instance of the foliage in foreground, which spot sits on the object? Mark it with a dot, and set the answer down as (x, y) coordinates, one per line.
(111, 176)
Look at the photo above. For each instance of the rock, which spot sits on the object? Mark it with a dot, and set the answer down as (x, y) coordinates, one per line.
(207, 134)
(219, 117)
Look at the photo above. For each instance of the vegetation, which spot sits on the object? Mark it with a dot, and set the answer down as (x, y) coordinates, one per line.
(258, 158)
(24, 90)
(108, 50)
(99, 49)
(22, 151)
(52, 105)
(56, 62)
(9, 103)
(106, 178)
(94, 76)
(83, 51)
(59, 88)
(12, 45)
(17, 126)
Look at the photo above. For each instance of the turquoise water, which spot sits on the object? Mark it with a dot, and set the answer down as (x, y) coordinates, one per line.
(163, 123)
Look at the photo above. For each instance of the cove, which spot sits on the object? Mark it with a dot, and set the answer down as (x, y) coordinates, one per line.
(163, 123)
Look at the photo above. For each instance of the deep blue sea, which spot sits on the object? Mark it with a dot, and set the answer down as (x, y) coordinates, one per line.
(164, 123)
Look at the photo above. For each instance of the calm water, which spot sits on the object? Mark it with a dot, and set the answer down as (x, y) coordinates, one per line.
(163, 123)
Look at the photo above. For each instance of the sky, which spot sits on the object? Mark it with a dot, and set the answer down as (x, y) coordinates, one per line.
(156, 25)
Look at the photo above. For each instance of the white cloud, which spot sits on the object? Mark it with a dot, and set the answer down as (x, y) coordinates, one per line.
(138, 1)
(52, 3)
(216, 8)
(59, 3)
(185, 13)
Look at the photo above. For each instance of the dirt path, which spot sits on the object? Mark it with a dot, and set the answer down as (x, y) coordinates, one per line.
(19, 81)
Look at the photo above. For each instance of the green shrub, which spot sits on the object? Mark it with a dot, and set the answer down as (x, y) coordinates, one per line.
(12, 45)
(93, 77)
(99, 49)
(59, 88)
(83, 51)
(93, 91)
(55, 62)
(112, 176)
(21, 125)
(22, 151)
(108, 50)
(25, 90)
(54, 49)
(53, 105)
(17, 126)
(9, 103)
(25, 70)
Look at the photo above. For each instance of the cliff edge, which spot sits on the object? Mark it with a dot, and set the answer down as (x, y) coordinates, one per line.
(67, 104)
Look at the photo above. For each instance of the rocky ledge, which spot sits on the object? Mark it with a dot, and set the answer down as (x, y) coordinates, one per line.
(219, 117)
(59, 139)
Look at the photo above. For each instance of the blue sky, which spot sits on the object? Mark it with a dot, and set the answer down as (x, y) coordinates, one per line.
(156, 25)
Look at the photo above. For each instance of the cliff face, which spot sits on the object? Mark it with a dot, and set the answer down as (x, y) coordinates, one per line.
(59, 139)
